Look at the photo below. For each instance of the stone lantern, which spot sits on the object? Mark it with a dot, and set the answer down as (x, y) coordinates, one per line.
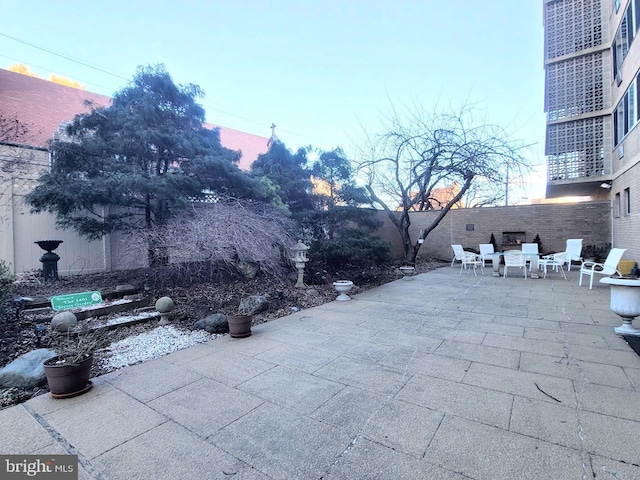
(300, 258)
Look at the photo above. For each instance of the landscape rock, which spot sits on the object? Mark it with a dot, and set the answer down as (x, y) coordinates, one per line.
(216, 323)
(26, 371)
(253, 304)
(247, 269)
(64, 321)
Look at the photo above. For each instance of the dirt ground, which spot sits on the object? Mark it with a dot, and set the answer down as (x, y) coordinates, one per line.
(192, 302)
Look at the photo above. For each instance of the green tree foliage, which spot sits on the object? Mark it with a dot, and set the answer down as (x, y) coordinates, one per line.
(287, 172)
(6, 282)
(342, 228)
(135, 163)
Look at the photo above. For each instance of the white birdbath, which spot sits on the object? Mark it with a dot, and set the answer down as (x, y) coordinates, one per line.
(342, 287)
(625, 301)
(407, 271)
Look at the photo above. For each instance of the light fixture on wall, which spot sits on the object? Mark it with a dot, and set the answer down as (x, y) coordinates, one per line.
(606, 185)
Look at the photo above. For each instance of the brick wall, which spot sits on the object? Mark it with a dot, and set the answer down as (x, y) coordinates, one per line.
(554, 223)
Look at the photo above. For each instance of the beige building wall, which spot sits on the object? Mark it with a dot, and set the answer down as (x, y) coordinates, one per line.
(626, 155)
(19, 229)
(623, 158)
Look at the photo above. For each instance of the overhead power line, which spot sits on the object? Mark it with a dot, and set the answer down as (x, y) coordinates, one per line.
(122, 76)
(66, 57)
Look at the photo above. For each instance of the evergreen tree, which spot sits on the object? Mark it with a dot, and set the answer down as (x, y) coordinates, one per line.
(343, 227)
(287, 171)
(133, 164)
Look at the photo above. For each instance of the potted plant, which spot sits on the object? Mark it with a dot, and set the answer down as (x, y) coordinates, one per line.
(596, 253)
(492, 241)
(69, 371)
(537, 240)
(240, 323)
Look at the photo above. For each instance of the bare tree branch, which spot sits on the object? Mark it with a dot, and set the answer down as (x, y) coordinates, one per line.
(430, 161)
(228, 232)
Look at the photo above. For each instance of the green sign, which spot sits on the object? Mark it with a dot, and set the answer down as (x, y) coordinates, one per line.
(75, 300)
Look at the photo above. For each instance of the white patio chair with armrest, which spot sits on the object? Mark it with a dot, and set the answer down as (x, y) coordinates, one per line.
(609, 267)
(458, 254)
(472, 260)
(530, 250)
(486, 252)
(556, 261)
(573, 251)
(514, 258)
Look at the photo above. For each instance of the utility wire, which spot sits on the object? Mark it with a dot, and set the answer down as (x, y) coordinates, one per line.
(66, 57)
(121, 76)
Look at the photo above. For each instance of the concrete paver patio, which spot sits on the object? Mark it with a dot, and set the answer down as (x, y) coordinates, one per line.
(446, 376)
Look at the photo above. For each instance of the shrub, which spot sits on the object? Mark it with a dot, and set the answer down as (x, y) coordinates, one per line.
(241, 236)
(6, 281)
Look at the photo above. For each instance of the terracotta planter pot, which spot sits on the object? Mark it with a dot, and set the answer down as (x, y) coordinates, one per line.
(67, 381)
(239, 325)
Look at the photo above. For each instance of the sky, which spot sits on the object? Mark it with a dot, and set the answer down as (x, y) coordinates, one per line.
(325, 72)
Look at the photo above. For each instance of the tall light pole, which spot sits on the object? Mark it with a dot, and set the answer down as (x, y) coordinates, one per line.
(506, 189)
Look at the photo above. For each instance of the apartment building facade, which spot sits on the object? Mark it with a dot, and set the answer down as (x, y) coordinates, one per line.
(592, 104)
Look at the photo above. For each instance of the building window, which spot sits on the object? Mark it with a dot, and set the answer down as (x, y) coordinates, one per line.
(627, 202)
(617, 206)
(626, 113)
(624, 36)
(630, 110)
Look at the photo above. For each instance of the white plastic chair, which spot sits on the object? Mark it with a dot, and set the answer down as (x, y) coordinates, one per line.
(556, 261)
(573, 251)
(609, 267)
(486, 252)
(472, 260)
(530, 250)
(458, 254)
(515, 258)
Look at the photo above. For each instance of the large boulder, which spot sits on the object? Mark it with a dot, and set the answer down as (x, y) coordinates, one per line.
(26, 371)
(216, 323)
(253, 304)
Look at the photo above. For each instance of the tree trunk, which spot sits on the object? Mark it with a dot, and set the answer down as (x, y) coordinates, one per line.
(411, 249)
